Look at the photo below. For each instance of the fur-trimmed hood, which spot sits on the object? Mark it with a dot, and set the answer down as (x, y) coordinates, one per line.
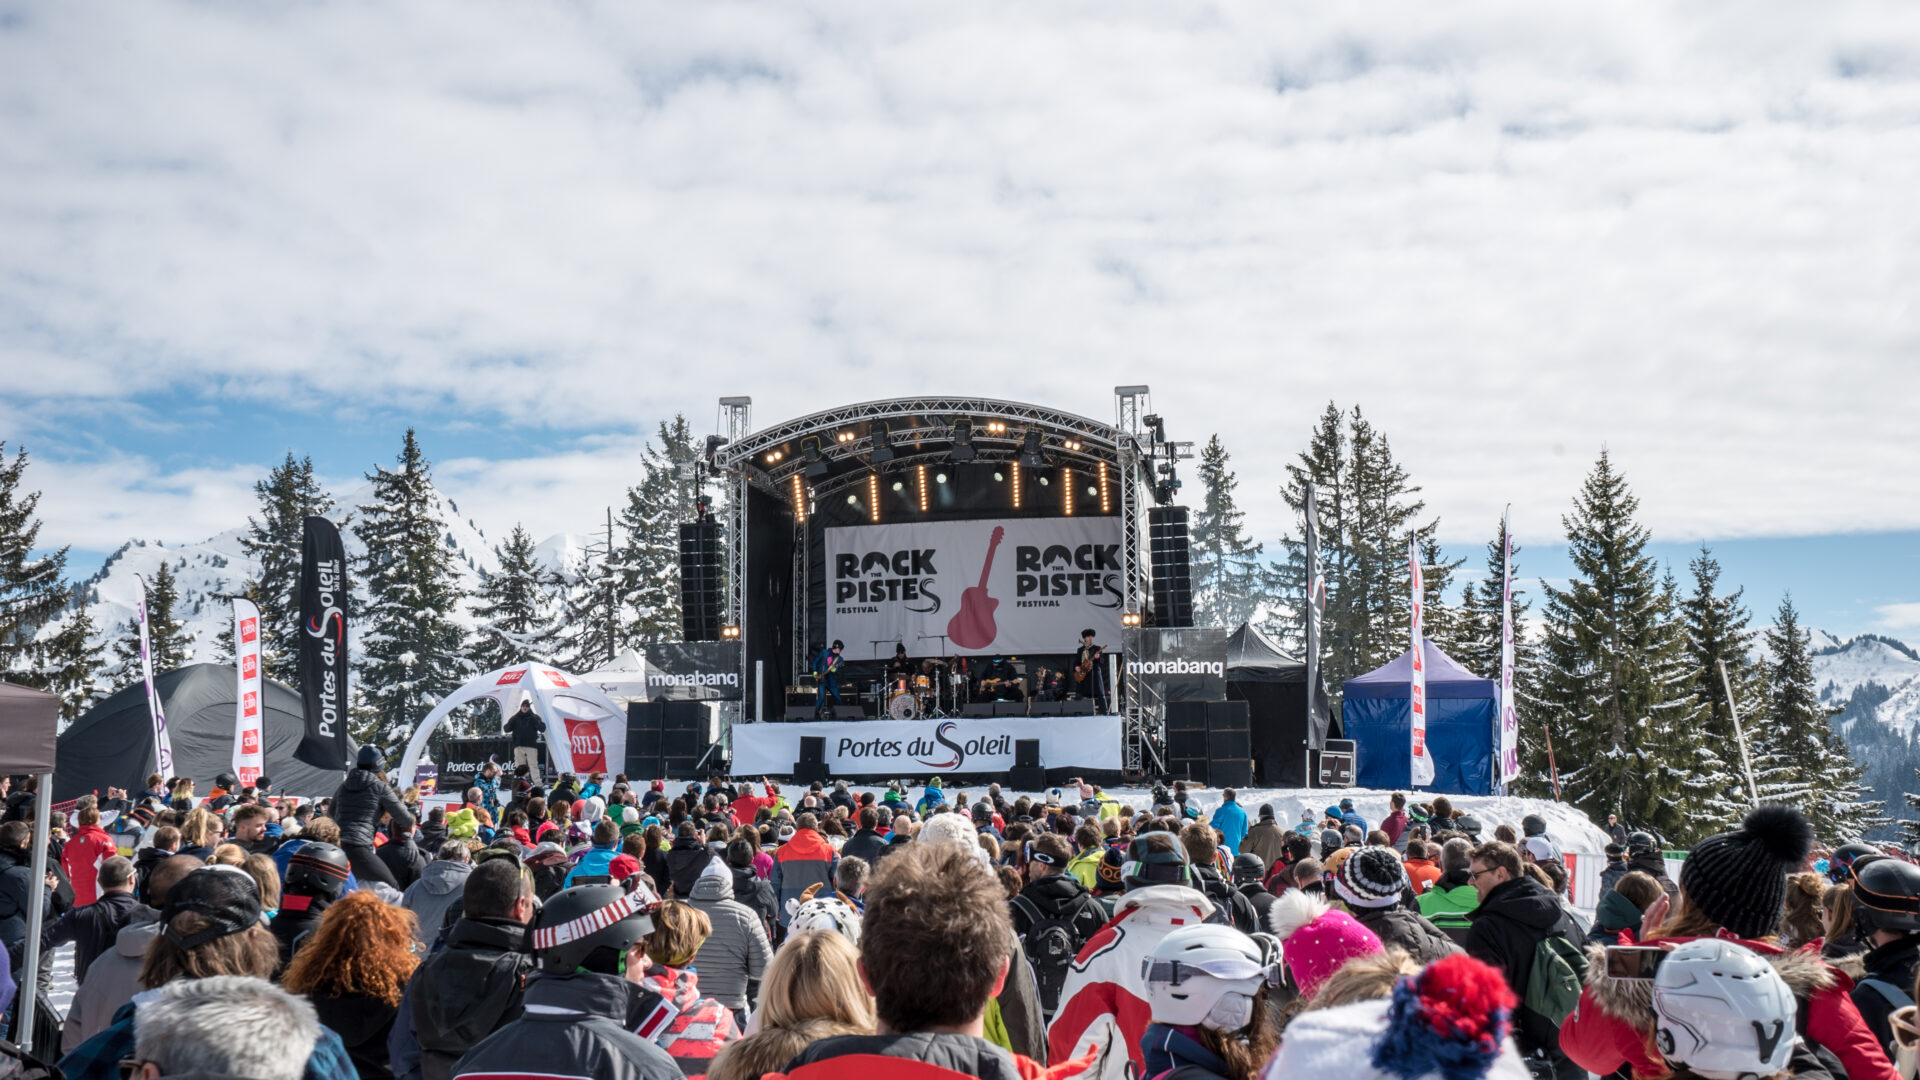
(1631, 1000)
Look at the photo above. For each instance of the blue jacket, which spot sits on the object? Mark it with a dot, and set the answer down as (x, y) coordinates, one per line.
(595, 861)
(1166, 1048)
(932, 796)
(1352, 818)
(1232, 823)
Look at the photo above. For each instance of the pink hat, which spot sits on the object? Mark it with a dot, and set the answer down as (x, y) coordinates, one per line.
(1315, 940)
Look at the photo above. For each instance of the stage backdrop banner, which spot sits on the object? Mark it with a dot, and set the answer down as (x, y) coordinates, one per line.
(693, 671)
(888, 748)
(1187, 664)
(1019, 585)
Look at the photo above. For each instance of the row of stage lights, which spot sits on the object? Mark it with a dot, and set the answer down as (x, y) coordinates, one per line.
(923, 489)
(1032, 450)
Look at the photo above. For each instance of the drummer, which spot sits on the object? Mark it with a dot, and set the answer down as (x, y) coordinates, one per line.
(901, 666)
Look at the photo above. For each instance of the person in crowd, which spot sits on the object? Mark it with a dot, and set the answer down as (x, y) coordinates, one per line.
(1202, 853)
(187, 1030)
(749, 888)
(93, 928)
(1840, 861)
(1422, 869)
(1363, 978)
(813, 991)
(156, 788)
(1616, 831)
(1309, 876)
(1721, 1012)
(1350, 818)
(83, 854)
(1249, 877)
(114, 976)
(1643, 853)
(579, 1013)
(1449, 902)
(401, 856)
(687, 858)
(315, 879)
(1515, 913)
(933, 899)
(526, 731)
(164, 844)
(1316, 939)
(354, 968)
(18, 893)
(1103, 1007)
(210, 926)
(733, 957)
(200, 833)
(1230, 820)
(700, 1025)
(1371, 884)
(363, 797)
(1616, 867)
(1265, 839)
(867, 843)
(1013, 1018)
(228, 855)
(1396, 821)
(256, 829)
(1054, 916)
(806, 859)
(1622, 909)
(1089, 846)
(1800, 919)
(440, 884)
(1886, 895)
(597, 861)
(473, 986)
(260, 868)
(1733, 887)
(1452, 1019)
(1843, 937)
(1207, 988)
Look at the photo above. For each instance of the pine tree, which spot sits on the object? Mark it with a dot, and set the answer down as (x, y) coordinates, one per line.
(166, 635)
(414, 650)
(1718, 630)
(1804, 763)
(646, 564)
(517, 607)
(1612, 689)
(1479, 652)
(1444, 622)
(1321, 464)
(1229, 580)
(32, 593)
(288, 496)
(593, 623)
(72, 661)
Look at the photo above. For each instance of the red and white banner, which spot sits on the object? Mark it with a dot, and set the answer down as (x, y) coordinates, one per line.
(588, 748)
(1422, 761)
(162, 742)
(1508, 747)
(249, 756)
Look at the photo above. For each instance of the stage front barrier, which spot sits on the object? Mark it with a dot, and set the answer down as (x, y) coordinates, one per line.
(887, 749)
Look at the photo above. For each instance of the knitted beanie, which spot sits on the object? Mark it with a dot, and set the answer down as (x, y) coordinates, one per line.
(1316, 941)
(1371, 877)
(1739, 879)
(1448, 1023)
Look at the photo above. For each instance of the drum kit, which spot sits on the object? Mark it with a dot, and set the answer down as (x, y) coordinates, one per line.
(931, 695)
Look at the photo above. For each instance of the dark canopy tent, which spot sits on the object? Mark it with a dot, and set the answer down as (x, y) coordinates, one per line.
(28, 721)
(1461, 708)
(1274, 686)
(113, 743)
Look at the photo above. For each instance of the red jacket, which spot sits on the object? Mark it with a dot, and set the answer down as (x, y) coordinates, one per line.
(747, 807)
(700, 1026)
(1612, 1026)
(916, 1057)
(80, 860)
(1393, 825)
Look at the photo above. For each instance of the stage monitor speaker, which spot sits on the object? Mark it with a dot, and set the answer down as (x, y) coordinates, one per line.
(1026, 753)
(1170, 553)
(977, 710)
(1009, 708)
(813, 759)
(1187, 741)
(1337, 763)
(700, 581)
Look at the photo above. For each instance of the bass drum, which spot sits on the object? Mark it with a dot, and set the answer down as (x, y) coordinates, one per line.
(903, 706)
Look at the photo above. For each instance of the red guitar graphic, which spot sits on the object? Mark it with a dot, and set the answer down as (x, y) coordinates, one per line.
(972, 626)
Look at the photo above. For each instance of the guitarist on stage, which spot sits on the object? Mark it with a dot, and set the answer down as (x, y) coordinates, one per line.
(1086, 671)
(826, 672)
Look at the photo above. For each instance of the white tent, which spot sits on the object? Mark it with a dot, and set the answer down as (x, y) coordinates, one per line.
(623, 679)
(586, 729)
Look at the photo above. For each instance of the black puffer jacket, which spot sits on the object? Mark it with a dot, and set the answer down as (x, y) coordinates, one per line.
(575, 1028)
(1892, 967)
(18, 893)
(1653, 863)
(358, 804)
(468, 990)
(752, 890)
(1507, 926)
(685, 859)
(1410, 930)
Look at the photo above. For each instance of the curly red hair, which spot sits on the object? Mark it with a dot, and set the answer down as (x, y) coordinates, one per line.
(362, 948)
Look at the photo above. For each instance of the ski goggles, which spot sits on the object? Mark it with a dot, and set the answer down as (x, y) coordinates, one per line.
(1176, 972)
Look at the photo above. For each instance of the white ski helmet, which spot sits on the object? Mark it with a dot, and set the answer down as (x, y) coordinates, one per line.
(1722, 1011)
(827, 913)
(1204, 975)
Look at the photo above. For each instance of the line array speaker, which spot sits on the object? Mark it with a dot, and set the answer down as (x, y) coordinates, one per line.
(1187, 741)
(1170, 553)
(1229, 744)
(700, 580)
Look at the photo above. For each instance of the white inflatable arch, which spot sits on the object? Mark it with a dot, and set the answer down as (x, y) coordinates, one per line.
(586, 729)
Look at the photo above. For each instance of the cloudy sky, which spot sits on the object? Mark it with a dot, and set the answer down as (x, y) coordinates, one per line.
(1513, 234)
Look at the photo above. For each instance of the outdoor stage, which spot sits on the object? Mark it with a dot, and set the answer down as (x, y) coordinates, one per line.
(884, 749)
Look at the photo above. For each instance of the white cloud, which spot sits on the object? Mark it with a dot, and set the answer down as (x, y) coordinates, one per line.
(1899, 616)
(1513, 234)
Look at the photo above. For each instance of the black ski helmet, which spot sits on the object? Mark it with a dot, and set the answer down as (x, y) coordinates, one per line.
(1642, 843)
(592, 927)
(1840, 863)
(317, 869)
(1886, 895)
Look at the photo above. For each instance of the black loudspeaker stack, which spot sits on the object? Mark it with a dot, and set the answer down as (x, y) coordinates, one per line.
(1027, 775)
(667, 737)
(1187, 741)
(813, 760)
(1170, 553)
(700, 580)
(1208, 742)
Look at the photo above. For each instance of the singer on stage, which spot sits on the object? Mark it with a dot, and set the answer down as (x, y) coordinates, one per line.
(826, 672)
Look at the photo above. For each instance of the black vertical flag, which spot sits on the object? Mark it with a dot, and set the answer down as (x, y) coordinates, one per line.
(1316, 609)
(323, 645)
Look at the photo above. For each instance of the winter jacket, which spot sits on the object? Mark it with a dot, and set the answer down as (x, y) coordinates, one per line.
(1889, 966)
(439, 887)
(111, 982)
(1615, 913)
(1410, 930)
(1611, 874)
(1103, 1007)
(297, 916)
(866, 844)
(1086, 865)
(929, 797)
(1168, 1048)
(1421, 873)
(93, 928)
(805, 860)
(99, 1057)
(1507, 927)
(700, 1025)
(733, 960)
(403, 859)
(598, 860)
(363, 1024)
(574, 1027)
(747, 807)
(1019, 1026)
(1613, 1024)
(18, 893)
(524, 728)
(1851, 943)
(145, 862)
(80, 860)
(1232, 823)
(1395, 826)
(1234, 909)
(1654, 864)
(1448, 904)
(685, 860)
(1056, 897)
(756, 893)
(920, 1056)
(468, 990)
(358, 804)
(1260, 898)
(1266, 840)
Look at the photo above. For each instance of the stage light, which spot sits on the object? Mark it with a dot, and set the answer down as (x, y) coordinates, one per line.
(845, 437)
(1066, 492)
(995, 427)
(940, 478)
(1030, 454)
(1016, 485)
(799, 500)
(1092, 491)
(962, 441)
(873, 496)
(899, 486)
(775, 457)
(923, 489)
(883, 451)
(1106, 501)
(1043, 481)
(1129, 618)
(999, 477)
(730, 633)
(853, 500)
(1072, 444)
(817, 467)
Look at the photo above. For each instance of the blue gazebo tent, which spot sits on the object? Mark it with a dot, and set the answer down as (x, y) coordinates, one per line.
(1461, 711)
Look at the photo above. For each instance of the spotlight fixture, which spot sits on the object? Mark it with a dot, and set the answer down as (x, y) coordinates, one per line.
(817, 467)
(853, 500)
(799, 500)
(1071, 444)
(1030, 454)
(940, 478)
(1016, 484)
(883, 450)
(962, 449)
(1106, 500)
(873, 496)
(899, 486)
(1129, 618)
(995, 427)
(1066, 492)
(999, 477)
(730, 633)
(844, 437)
(923, 488)
(774, 458)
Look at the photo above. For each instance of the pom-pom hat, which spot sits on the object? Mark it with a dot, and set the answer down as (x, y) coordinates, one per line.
(1315, 941)
(1739, 879)
(1451, 1021)
(1371, 877)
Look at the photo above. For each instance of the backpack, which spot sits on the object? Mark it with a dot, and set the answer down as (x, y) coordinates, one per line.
(1050, 944)
(1559, 971)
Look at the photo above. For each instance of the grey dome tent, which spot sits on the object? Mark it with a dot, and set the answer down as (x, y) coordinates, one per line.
(1285, 732)
(112, 744)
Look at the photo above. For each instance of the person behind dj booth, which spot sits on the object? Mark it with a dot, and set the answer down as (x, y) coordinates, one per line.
(1091, 686)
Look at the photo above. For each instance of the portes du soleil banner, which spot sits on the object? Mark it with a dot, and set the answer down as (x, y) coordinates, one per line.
(324, 610)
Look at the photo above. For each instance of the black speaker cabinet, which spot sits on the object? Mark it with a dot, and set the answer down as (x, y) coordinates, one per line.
(700, 581)
(1026, 753)
(813, 759)
(1187, 757)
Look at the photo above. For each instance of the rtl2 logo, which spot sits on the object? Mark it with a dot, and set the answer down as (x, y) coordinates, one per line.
(250, 742)
(508, 678)
(250, 704)
(250, 666)
(589, 750)
(249, 631)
